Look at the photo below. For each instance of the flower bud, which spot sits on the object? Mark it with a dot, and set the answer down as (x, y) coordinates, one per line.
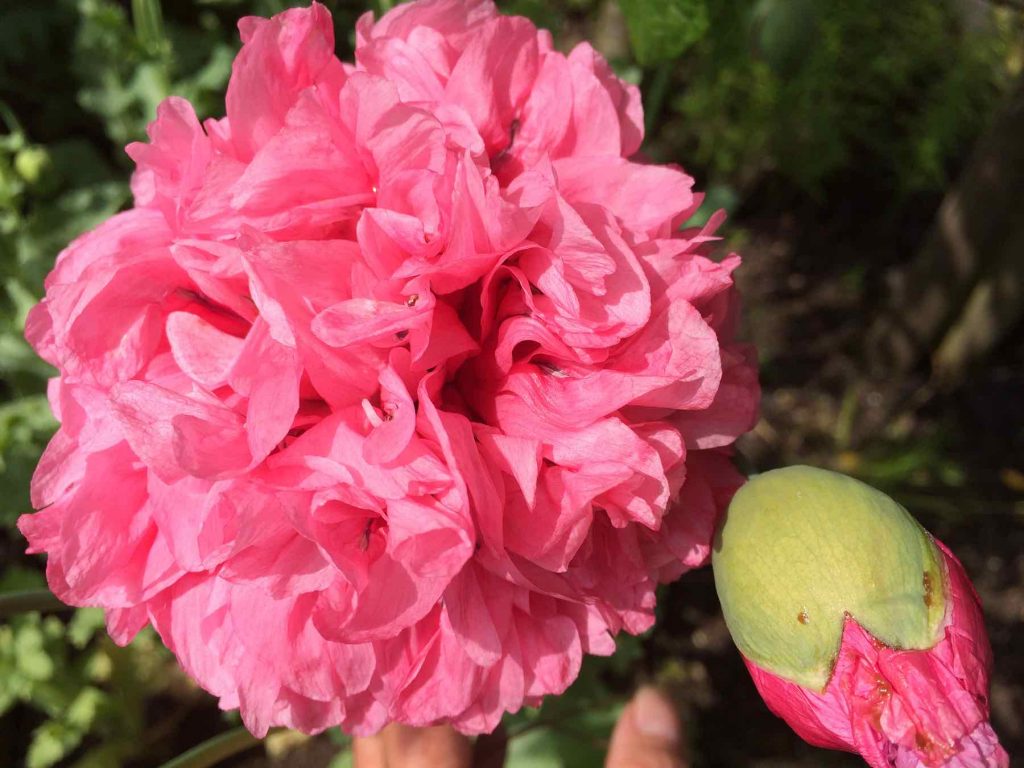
(33, 164)
(859, 629)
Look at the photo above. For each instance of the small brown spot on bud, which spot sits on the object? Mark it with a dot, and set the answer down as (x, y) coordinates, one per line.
(927, 583)
(802, 617)
(411, 300)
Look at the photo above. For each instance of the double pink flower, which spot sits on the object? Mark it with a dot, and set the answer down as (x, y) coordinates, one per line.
(399, 389)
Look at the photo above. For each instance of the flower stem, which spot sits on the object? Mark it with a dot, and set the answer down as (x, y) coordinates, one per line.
(212, 751)
(12, 603)
(657, 92)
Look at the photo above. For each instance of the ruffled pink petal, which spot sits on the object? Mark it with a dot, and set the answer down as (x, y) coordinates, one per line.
(170, 168)
(205, 353)
(493, 77)
(280, 57)
(646, 199)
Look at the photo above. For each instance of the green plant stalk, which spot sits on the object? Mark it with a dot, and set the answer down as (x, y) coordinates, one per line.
(656, 95)
(149, 22)
(42, 600)
(212, 751)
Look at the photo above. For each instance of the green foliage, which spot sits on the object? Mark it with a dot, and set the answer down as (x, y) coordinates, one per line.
(25, 423)
(661, 30)
(86, 688)
(81, 79)
(48, 194)
(122, 67)
(808, 89)
(128, 66)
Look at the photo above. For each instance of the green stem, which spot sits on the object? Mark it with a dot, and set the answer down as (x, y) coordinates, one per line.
(656, 94)
(212, 751)
(9, 119)
(12, 603)
(148, 19)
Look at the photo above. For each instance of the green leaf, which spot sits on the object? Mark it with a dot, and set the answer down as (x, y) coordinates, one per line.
(16, 356)
(717, 197)
(52, 227)
(82, 712)
(50, 743)
(30, 656)
(25, 424)
(22, 419)
(786, 31)
(84, 625)
(661, 30)
(78, 163)
(535, 749)
(343, 759)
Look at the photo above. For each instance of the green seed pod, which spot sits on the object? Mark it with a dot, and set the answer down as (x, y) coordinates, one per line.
(800, 549)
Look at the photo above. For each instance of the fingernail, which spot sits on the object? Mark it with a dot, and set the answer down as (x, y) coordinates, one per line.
(654, 715)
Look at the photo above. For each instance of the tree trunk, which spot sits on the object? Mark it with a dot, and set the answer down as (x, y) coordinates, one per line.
(993, 309)
(961, 292)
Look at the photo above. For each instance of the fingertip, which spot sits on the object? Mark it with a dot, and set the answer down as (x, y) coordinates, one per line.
(655, 716)
(648, 733)
(430, 747)
(368, 752)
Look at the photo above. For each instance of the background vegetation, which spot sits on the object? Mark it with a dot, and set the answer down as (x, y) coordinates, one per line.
(835, 133)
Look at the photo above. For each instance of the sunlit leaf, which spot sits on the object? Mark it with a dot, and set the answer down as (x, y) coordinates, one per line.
(50, 743)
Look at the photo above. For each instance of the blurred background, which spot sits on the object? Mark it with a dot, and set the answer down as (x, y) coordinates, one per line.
(871, 156)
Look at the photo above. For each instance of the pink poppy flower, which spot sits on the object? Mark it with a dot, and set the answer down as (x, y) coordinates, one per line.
(399, 389)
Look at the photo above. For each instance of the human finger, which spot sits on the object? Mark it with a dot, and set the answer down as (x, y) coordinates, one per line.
(648, 734)
(368, 752)
(435, 747)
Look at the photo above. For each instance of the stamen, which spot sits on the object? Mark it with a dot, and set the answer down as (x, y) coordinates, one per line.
(553, 370)
(364, 540)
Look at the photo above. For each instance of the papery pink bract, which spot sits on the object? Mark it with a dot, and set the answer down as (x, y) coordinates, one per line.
(902, 708)
(399, 389)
